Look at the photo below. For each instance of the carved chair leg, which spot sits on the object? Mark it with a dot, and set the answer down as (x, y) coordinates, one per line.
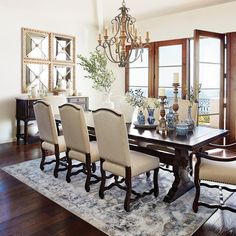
(43, 157)
(155, 182)
(57, 155)
(103, 181)
(88, 167)
(129, 188)
(195, 202)
(69, 168)
(148, 174)
(191, 164)
(94, 167)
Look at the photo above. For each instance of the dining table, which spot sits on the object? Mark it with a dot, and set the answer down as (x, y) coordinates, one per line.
(183, 146)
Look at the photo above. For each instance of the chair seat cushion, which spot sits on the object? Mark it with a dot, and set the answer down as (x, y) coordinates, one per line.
(73, 154)
(50, 147)
(222, 172)
(140, 163)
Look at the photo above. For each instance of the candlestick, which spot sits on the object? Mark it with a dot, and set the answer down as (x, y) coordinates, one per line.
(162, 122)
(106, 34)
(176, 78)
(175, 104)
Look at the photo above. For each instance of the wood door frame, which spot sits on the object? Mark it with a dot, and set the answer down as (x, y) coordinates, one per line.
(197, 35)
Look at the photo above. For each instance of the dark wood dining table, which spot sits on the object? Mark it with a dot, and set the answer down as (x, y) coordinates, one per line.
(183, 146)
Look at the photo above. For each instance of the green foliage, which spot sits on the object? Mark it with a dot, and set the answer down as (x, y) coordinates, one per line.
(136, 98)
(95, 66)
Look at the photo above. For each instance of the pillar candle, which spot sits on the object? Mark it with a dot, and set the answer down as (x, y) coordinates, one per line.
(162, 92)
(176, 78)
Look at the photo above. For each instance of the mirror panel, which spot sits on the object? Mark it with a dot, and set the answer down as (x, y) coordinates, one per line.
(63, 48)
(63, 77)
(36, 44)
(36, 75)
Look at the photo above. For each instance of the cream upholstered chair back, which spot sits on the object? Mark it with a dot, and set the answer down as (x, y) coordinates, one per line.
(183, 110)
(55, 102)
(123, 107)
(46, 122)
(74, 127)
(112, 138)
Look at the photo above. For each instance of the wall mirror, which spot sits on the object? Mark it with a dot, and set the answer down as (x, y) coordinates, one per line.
(48, 61)
(36, 44)
(63, 48)
(36, 75)
(63, 77)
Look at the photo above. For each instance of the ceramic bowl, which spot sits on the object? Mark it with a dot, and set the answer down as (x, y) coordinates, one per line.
(182, 129)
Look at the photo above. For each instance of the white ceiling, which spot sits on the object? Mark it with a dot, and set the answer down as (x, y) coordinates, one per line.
(104, 10)
(143, 9)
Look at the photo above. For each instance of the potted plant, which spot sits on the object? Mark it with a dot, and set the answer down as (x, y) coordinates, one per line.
(97, 72)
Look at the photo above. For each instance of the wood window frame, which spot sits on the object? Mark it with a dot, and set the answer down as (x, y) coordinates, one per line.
(182, 42)
(150, 70)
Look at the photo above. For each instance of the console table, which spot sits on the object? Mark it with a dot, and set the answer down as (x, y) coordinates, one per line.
(25, 113)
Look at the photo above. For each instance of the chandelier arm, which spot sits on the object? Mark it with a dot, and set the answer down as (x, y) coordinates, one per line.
(107, 47)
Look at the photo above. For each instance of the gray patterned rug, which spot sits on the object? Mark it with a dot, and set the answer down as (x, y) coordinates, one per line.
(149, 216)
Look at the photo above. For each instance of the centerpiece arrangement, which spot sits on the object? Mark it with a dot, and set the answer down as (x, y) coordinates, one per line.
(136, 98)
(97, 72)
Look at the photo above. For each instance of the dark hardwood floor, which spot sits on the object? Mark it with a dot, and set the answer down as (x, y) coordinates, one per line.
(24, 211)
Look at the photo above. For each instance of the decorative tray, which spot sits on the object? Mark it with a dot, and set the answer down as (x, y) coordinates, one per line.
(145, 126)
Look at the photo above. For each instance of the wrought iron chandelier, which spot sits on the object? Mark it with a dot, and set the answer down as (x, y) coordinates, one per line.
(125, 33)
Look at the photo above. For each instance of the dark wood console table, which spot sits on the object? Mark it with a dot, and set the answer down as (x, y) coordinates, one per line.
(25, 113)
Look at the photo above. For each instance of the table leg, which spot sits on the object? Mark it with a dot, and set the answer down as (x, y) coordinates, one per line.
(25, 132)
(182, 182)
(18, 131)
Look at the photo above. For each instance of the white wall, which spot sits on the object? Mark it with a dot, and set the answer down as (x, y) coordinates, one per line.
(11, 21)
(220, 18)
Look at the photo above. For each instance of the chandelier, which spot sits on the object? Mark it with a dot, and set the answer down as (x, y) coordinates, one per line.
(125, 33)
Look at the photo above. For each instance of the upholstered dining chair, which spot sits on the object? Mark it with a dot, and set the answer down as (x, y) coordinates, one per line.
(55, 101)
(217, 166)
(117, 158)
(50, 141)
(77, 142)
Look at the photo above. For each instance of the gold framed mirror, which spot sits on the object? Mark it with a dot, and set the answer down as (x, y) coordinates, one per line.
(63, 48)
(48, 61)
(63, 77)
(36, 44)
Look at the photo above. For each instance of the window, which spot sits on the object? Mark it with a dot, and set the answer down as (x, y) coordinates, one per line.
(139, 73)
(170, 59)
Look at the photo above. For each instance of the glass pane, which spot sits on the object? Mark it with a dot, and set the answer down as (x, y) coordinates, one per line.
(170, 55)
(63, 48)
(209, 102)
(211, 121)
(138, 77)
(170, 94)
(166, 75)
(62, 77)
(209, 50)
(144, 89)
(209, 75)
(142, 61)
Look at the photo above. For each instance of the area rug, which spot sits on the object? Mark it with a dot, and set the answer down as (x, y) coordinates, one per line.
(148, 216)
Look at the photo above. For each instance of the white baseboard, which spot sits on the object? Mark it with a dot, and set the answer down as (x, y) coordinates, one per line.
(8, 141)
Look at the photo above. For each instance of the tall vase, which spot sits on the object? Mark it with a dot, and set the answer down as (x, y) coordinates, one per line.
(107, 101)
(141, 118)
(151, 118)
(190, 120)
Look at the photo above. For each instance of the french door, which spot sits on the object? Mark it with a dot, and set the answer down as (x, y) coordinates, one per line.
(209, 77)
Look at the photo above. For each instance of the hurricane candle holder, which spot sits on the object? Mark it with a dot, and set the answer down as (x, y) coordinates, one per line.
(162, 122)
(175, 103)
